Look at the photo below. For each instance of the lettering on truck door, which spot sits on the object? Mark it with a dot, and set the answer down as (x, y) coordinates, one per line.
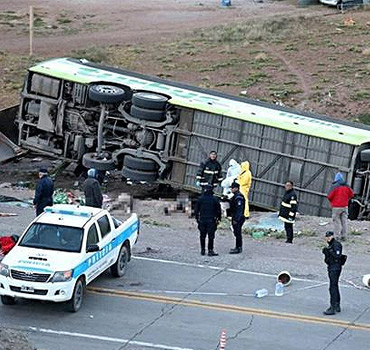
(108, 253)
(93, 269)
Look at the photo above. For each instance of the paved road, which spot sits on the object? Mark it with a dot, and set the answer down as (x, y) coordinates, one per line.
(175, 306)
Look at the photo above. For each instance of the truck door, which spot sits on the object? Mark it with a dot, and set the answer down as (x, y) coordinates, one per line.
(92, 257)
(108, 242)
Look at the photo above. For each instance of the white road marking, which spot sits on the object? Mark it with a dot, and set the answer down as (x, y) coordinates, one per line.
(109, 339)
(246, 272)
(220, 268)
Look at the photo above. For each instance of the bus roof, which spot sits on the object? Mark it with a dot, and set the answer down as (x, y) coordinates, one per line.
(84, 72)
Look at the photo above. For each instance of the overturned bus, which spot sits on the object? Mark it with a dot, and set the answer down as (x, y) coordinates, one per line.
(159, 130)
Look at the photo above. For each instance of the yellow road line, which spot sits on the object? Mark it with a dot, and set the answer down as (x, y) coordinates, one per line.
(229, 308)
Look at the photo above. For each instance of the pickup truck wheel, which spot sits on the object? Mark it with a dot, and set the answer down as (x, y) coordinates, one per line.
(149, 100)
(92, 160)
(120, 266)
(147, 114)
(140, 163)
(106, 94)
(75, 303)
(139, 175)
(6, 300)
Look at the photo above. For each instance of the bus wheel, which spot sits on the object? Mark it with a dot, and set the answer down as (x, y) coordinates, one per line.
(147, 114)
(103, 162)
(139, 163)
(148, 100)
(106, 94)
(139, 175)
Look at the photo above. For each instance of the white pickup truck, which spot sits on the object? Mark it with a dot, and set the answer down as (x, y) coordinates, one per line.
(62, 251)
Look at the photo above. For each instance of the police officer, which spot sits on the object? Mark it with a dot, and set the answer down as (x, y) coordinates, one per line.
(288, 210)
(237, 207)
(44, 191)
(333, 258)
(207, 214)
(93, 196)
(209, 172)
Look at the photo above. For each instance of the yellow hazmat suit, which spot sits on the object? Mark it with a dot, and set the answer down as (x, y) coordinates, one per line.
(245, 181)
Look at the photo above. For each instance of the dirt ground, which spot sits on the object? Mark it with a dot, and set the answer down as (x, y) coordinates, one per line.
(313, 58)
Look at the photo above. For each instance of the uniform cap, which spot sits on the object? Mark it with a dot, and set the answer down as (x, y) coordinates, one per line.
(235, 185)
(43, 170)
(329, 234)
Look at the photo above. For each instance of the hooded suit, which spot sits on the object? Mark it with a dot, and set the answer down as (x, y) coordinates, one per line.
(245, 181)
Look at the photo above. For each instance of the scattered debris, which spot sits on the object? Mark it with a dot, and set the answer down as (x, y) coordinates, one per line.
(261, 293)
(6, 185)
(37, 159)
(4, 215)
(323, 223)
(349, 21)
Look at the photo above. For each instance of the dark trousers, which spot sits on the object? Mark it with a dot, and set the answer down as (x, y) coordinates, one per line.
(207, 227)
(289, 231)
(334, 287)
(237, 228)
(41, 206)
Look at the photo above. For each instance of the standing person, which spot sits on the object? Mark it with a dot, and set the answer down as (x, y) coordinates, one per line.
(44, 191)
(245, 181)
(93, 196)
(339, 196)
(210, 172)
(237, 207)
(333, 258)
(232, 174)
(207, 214)
(288, 210)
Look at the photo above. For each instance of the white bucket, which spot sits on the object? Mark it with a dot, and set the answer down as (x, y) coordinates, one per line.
(366, 280)
(285, 278)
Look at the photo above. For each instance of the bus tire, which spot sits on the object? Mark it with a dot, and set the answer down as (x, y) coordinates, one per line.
(91, 160)
(139, 163)
(7, 300)
(147, 114)
(139, 175)
(106, 94)
(75, 303)
(148, 100)
(118, 269)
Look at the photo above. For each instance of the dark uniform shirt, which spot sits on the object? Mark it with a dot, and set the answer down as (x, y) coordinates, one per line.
(237, 205)
(333, 255)
(93, 196)
(43, 194)
(288, 207)
(208, 208)
(209, 173)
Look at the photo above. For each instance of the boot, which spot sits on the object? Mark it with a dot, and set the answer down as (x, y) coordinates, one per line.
(236, 250)
(337, 308)
(212, 253)
(329, 311)
(203, 252)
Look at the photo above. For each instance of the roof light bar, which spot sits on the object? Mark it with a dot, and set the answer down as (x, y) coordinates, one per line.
(67, 212)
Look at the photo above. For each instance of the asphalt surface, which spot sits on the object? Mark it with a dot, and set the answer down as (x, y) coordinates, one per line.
(164, 305)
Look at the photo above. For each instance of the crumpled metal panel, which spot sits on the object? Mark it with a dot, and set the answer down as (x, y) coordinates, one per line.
(8, 149)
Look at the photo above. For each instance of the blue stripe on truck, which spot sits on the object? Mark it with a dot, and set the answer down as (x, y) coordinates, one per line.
(81, 268)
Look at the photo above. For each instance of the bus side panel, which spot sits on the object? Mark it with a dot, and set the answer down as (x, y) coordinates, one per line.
(275, 155)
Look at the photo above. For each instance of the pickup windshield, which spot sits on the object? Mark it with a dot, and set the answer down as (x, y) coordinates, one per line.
(54, 237)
